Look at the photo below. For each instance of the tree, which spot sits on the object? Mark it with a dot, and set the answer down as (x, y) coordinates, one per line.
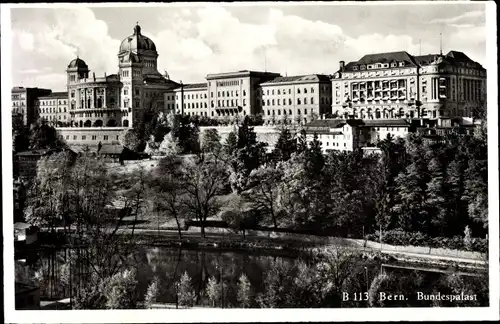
(285, 146)
(187, 133)
(120, 291)
(467, 239)
(203, 180)
(244, 295)
(264, 186)
(213, 291)
(85, 196)
(186, 291)
(436, 198)
(131, 140)
(151, 294)
(211, 141)
(231, 144)
(168, 191)
(44, 136)
(170, 145)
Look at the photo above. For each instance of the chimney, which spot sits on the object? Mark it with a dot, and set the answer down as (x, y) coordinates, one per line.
(93, 75)
(105, 75)
(342, 66)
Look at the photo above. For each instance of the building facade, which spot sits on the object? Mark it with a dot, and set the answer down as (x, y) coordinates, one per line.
(351, 134)
(118, 100)
(296, 99)
(24, 103)
(54, 109)
(399, 85)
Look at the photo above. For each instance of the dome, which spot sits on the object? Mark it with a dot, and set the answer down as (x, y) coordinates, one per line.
(136, 42)
(78, 63)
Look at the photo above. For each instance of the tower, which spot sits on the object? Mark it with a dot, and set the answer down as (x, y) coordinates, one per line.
(137, 57)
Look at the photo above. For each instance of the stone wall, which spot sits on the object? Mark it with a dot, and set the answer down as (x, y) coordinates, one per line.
(91, 135)
(265, 134)
(94, 135)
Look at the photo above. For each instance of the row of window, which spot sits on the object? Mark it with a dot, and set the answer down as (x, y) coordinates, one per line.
(93, 137)
(335, 144)
(50, 110)
(18, 104)
(52, 103)
(272, 112)
(271, 102)
(228, 83)
(377, 66)
(289, 91)
(52, 117)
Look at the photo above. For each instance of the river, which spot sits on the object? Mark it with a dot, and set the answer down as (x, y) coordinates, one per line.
(168, 265)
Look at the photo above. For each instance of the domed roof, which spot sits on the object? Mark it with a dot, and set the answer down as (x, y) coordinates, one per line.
(78, 63)
(136, 42)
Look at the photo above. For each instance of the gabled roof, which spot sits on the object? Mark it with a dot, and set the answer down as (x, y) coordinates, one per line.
(400, 56)
(299, 79)
(459, 56)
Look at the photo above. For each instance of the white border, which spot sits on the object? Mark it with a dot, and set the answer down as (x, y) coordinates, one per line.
(239, 315)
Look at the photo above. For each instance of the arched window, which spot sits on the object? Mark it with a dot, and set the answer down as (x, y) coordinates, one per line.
(125, 123)
(298, 111)
(87, 123)
(290, 111)
(99, 102)
(305, 100)
(98, 123)
(298, 101)
(305, 90)
(312, 90)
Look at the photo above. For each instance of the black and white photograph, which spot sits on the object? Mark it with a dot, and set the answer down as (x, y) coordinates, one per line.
(185, 161)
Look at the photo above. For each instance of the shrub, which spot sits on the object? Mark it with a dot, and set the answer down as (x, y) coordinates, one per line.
(399, 237)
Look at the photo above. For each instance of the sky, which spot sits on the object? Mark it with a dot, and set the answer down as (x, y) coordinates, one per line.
(196, 39)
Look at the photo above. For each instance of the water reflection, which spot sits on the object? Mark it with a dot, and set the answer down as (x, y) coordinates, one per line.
(358, 275)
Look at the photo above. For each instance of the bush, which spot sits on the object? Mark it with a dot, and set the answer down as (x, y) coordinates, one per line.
(399, 237)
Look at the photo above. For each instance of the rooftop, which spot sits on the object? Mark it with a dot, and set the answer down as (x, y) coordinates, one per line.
(55, 95)
(410, 60)
(337, 123)
(194, 85)
(239, 74)
(299, 79)
(111, 149)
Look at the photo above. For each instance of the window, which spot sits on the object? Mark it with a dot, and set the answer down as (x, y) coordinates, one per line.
(272, 92)
(84, 137)
(312, 101)
(298, 101)
(244, 102)
(94, 137)
(272, 102)
(305, 90)
(244, 93)
(298, 90)
(305, 111)
(125, 91)
(290, 101)
(305, 100)
(298, 111)
(289, 91)
(278, 102)
(74, 137)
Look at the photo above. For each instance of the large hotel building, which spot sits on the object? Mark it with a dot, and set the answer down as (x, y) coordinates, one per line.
(399, 85)
(378, 86)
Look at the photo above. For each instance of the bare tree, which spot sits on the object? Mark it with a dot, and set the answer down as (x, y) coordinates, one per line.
(203, 181)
